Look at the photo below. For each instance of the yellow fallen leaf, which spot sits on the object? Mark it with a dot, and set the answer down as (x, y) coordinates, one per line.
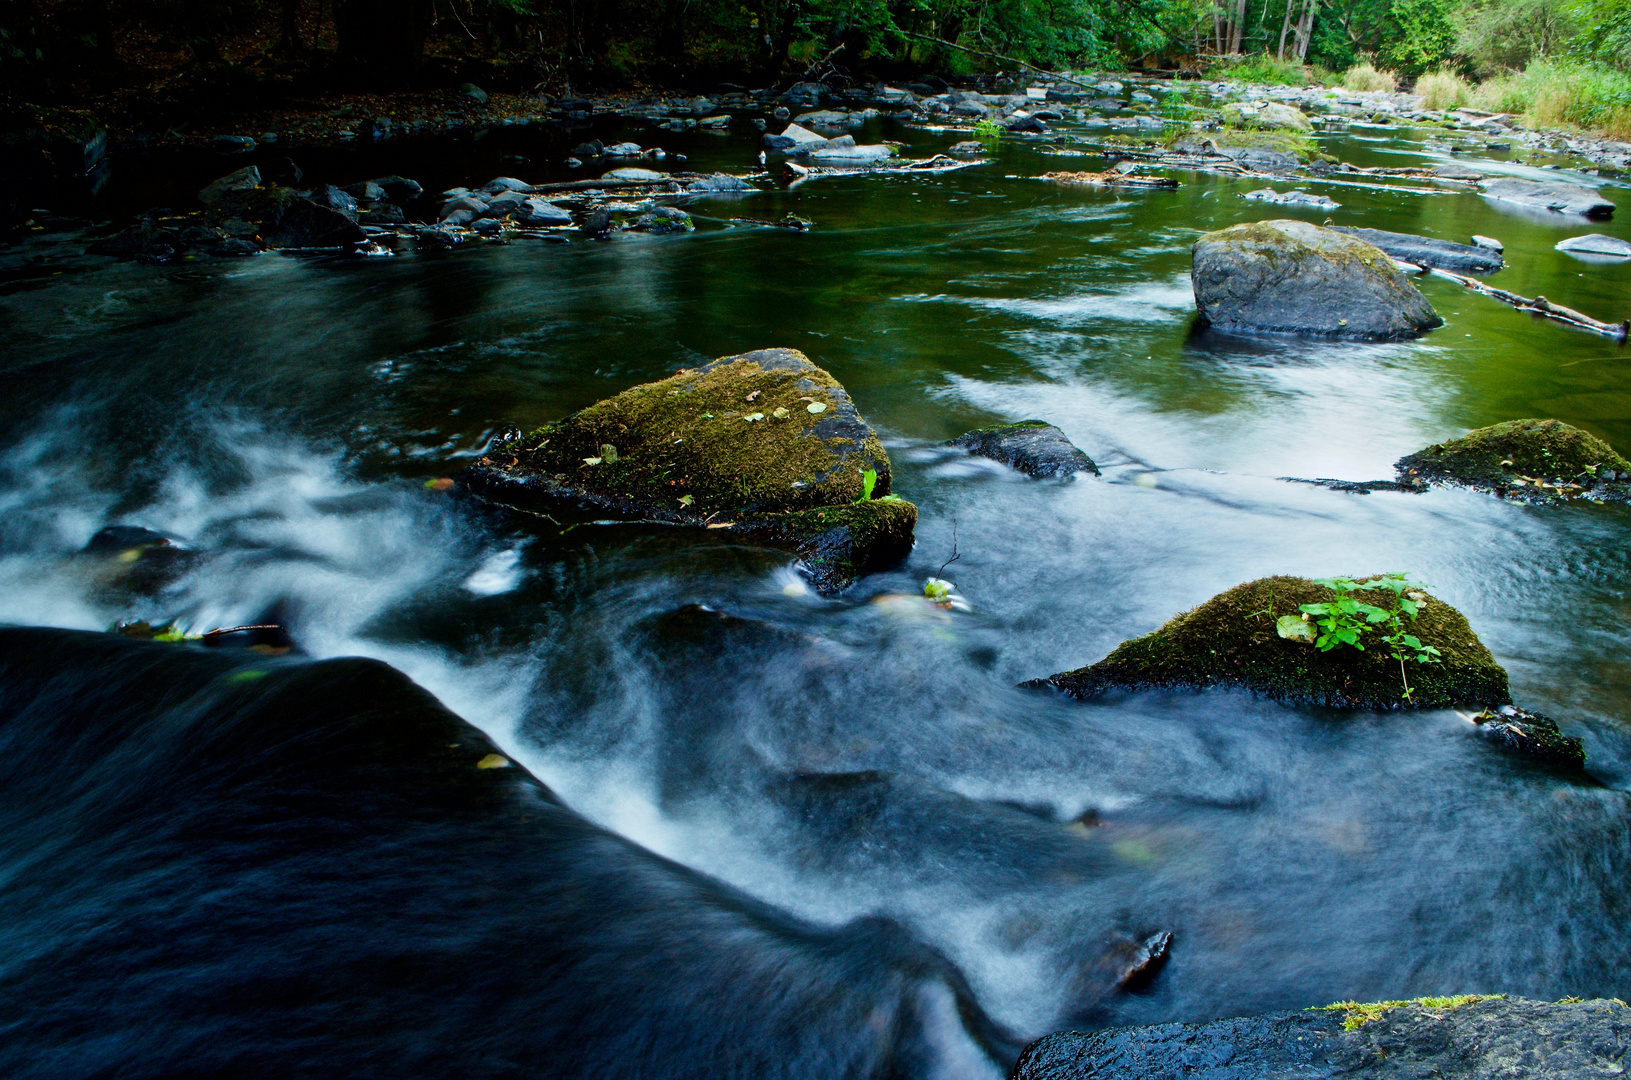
(493, 761)
(722, 524)
(686, 500)
(780, 413)
(591, 461)
(816, 407)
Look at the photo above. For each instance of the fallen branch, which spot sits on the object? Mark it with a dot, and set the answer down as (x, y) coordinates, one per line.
(1542, 306)
(1110, 178)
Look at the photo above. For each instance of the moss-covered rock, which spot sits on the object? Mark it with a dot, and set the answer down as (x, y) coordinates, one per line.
(1528, 458)
(1290, 277)
(1233, 640)
(765, 443)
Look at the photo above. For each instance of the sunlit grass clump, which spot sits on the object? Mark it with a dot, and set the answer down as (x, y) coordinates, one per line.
(1443, 90)
(1551, 93)
(1364, 77)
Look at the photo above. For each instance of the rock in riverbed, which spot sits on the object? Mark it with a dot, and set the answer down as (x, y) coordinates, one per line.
(1465, 1038)
(1425, 251)
(1034, 447)
(1524, 458)
(1550, 195)
(765, 444)
(1295, 278)
(1596, 244)
(1236, 639)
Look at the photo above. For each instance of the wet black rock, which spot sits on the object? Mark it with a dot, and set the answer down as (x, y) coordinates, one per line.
(1474, 1040)
(1293, 277)
(289, 221)
(540, 212)
(232, 144)
(398, 189)
(145, 241)
(247, 178)
(1425, 251)
(597, 224)
(1034, 447)
(664, 219)
(337, 200)
(1532, 735)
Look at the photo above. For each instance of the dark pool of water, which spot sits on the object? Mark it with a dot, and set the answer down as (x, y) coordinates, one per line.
(849, 793)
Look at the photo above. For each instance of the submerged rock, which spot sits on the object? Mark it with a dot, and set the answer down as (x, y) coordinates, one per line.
(1034, 447)
(1550, 195)
(1235, 640)
(1292, 277)
(1465, 1038)
(1297, 197)
(1531, 458)
(1596, 244)
(765, 444)
(1425, 251)
(1269, 115)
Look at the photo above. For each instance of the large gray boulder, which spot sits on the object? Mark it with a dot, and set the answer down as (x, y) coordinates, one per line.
(1552, 195)
(1425, 251)
(1290, 277)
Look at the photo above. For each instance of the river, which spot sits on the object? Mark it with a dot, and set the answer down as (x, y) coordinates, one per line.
(850, 793)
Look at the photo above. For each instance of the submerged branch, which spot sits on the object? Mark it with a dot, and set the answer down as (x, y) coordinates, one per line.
(1542, 306)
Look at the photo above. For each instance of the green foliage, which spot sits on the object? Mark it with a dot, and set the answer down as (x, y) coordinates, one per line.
(1425, 39)
(1364, 77)
(1344, 620)
(987, 131)
(1605, 31)
(1178, 107)
(1262, 68)
(1505, 35)
(869, 480)
(1564, 93)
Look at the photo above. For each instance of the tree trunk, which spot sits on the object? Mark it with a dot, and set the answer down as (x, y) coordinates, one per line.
(1240, 27)
(1285, 28)
(1305, 30)
(387, 37)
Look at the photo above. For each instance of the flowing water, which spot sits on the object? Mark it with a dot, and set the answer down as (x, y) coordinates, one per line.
(823, 836)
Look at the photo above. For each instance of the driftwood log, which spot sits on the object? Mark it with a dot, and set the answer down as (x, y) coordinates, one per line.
(1110, 178)
(1542, 306)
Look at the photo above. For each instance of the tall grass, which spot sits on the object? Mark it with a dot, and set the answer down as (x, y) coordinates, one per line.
(1261, 68)
(1443, 90)
(1363, 77)
(1552, 93)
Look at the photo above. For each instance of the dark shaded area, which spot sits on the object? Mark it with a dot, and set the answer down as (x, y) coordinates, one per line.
(1034, 447)
(224, 865)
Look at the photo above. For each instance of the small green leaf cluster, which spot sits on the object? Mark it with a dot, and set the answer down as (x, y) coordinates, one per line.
(1345, 619)
(869, 483)
(987, 131)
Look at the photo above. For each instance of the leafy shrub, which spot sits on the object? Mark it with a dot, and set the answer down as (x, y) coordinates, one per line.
(1505, 35)
(1260, 68)
(1364, 77)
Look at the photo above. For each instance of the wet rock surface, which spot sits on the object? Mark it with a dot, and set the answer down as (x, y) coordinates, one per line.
(1550, 195)
(1291, 277)
(764, 444)
(1495, 1037)
(1530, 459)
(1425, 251)
(1234, 640)
(1034, 447)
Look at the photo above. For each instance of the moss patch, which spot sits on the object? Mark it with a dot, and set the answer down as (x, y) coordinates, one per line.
(1289, 248)
(1231, 640)
(837, 544)
(1518, 456)
(1356, 1015)
(737, 436)
(765, 443)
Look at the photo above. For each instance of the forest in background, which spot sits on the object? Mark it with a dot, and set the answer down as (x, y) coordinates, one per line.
(1568, 61)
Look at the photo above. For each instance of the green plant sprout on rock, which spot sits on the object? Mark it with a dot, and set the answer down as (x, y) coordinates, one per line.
(987, 131)
(1343, 620)
(1356, 1014)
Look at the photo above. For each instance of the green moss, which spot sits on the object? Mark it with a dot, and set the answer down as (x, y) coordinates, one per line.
(837, 544)
(1296, 143)
(731, 446)
(1514, 454)
(1356, 1015)
(1231, 640)
(1276, 243)
(712, 434)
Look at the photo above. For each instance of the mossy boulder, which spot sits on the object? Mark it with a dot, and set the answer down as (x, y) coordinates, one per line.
(1233, 640)
(1034, 447)
(1290, 277)
(765, 444)
(1527, 458)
